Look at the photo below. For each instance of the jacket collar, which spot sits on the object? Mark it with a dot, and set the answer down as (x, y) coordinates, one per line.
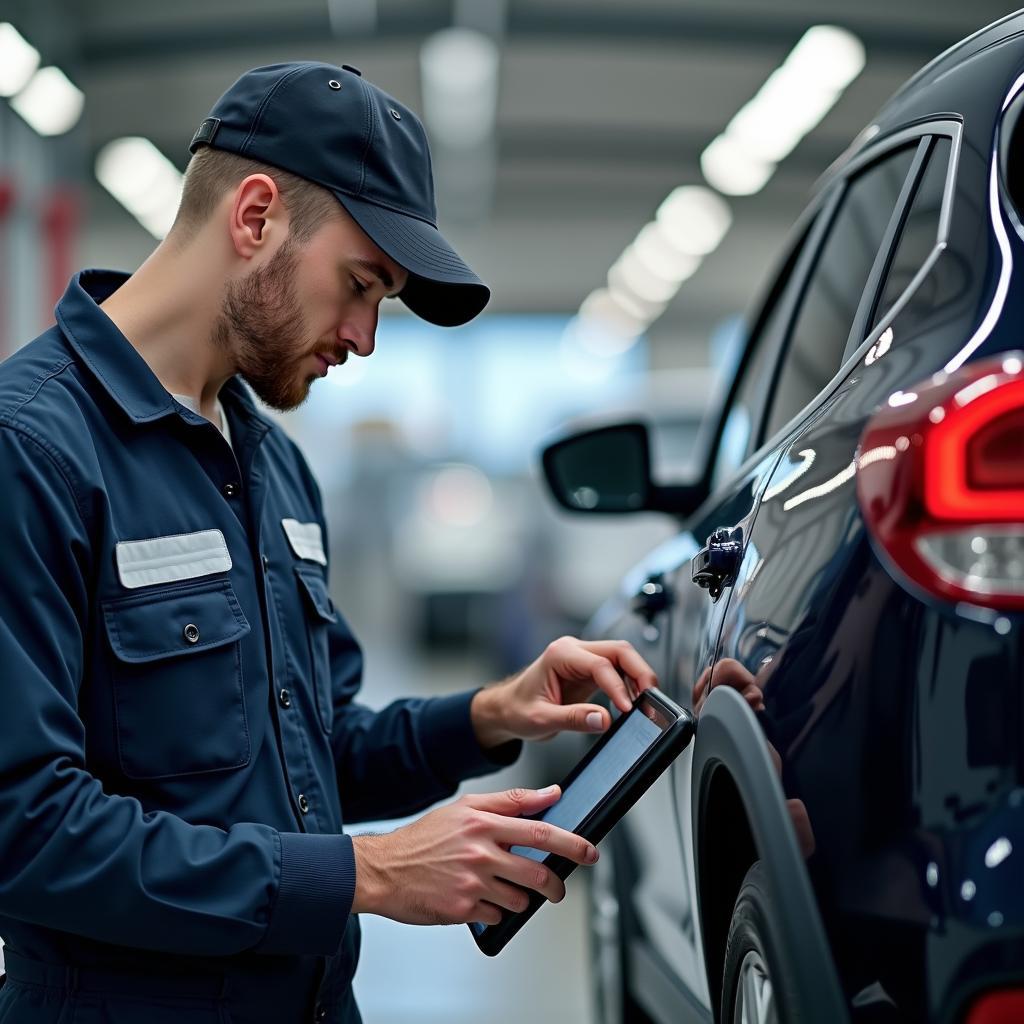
(115, 362)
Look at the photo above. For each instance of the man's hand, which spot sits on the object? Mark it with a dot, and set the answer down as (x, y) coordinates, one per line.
(544, 698)
(453, 865)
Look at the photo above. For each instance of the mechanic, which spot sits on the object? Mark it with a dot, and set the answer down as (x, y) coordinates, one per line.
(180, 735)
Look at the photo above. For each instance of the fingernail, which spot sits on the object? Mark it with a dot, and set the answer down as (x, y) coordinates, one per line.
(592, 855)
(594, 720)
(547, 790)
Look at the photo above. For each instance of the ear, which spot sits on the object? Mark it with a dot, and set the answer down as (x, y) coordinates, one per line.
(257, 213)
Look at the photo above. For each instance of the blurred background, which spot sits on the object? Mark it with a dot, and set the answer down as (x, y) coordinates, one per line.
(622, 175)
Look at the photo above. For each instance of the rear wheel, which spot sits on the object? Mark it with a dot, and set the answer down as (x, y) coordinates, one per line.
(608, 957)
(757, 985)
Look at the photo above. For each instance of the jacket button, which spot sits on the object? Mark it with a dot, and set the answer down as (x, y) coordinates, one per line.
(265, 561)
(320, 1013)
(230, 489)
(191, 632)
(285, 698)
(303, 803)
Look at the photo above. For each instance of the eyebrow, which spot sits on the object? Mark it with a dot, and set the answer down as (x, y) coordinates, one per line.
(381, 273)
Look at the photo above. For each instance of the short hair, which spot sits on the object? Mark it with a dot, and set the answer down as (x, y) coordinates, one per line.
(212, 172)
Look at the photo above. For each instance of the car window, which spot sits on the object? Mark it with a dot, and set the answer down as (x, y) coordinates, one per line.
(736, 441)
(919, 236)
(836, 285)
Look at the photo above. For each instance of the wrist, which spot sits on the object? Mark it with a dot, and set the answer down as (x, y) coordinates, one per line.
(488, 713)
(371, 884)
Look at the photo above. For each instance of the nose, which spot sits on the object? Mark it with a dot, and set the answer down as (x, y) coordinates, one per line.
(357, 333)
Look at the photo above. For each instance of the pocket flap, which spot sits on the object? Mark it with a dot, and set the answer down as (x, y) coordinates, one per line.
(315, 589)
(154, 626)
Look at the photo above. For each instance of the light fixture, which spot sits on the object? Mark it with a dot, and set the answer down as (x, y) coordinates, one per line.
(18, 60)
(694, 219)
(733, 168)
(142, 180)
(791, 102)
(459, 68)
(50, 103)
(659, 257)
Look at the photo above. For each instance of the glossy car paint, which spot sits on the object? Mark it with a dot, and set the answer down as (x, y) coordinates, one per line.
(896, 718)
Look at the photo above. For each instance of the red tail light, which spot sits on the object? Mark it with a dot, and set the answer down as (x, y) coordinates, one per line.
(940, 480)
(997, 1008)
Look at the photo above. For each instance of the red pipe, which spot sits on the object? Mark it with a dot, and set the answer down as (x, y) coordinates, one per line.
(6, 205)
(60, 219)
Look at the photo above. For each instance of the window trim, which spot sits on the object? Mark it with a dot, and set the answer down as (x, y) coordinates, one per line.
(824, 207)
(872, 292)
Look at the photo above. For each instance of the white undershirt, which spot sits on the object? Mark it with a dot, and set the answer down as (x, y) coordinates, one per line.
(221, 423)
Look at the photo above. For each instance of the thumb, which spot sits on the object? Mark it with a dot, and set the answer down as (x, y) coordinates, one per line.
(578, 718)
(514, 802)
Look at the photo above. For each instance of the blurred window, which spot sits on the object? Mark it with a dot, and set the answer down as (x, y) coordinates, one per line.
(736, 441)
(836, 285)
(920, 234)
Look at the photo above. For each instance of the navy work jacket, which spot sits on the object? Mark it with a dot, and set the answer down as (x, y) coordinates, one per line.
(179, 738)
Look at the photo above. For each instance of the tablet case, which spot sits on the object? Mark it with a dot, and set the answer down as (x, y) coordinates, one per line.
(672, 742)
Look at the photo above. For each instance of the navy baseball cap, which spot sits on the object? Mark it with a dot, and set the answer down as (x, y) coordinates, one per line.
(331, 126)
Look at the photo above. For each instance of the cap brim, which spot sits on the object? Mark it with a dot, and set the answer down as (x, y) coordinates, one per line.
(441, 288)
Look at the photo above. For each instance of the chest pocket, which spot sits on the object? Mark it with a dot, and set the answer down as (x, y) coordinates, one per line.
(177, 679)
(319, 613)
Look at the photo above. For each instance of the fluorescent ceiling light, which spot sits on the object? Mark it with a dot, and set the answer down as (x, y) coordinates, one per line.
(734, 169)
(830, 55)
(694, 219)
(604, 307)
(630, 273)
(791, 103)
(142, 180)
(49, 102)
(459, 68)
(18, 60)
(659, 257)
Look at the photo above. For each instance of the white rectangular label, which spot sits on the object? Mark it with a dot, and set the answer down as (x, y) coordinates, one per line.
(306, 539)
(181, 556)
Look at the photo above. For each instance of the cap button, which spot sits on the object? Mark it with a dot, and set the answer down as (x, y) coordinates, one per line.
(355, 71)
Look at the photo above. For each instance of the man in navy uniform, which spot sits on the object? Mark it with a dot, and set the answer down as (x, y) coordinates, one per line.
(180, 742)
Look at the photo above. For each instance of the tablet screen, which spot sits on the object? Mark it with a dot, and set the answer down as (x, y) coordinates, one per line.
(599, 777)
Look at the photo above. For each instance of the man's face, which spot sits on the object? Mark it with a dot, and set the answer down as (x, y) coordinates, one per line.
(305, 309)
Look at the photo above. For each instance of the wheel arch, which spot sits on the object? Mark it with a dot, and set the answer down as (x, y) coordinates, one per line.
(739, 815)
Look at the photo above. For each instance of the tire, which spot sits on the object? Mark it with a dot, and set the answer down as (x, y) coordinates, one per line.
(757, 984)
(609, 977)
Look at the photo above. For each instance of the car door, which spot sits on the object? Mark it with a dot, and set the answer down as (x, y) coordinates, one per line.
(884, 224)
(675, 627)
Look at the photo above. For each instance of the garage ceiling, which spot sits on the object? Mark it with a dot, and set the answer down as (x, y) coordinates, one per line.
(603, 109)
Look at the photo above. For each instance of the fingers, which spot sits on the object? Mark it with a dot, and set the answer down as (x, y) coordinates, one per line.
(574, 717)
(511, 897)
(485, 913)
(624, 656)
(531, 875)
(539, 835)
(600, 662)
(514, 802)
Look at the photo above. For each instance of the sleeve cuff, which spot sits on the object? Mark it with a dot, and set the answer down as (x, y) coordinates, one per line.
(450, 742)
(316, 886)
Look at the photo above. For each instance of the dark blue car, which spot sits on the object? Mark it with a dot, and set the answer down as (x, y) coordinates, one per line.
(844, 839)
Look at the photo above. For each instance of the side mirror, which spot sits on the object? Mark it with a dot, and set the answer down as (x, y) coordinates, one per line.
(602, 470)
(608, 469)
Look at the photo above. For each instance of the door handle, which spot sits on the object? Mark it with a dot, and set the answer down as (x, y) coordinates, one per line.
(652, 598)
(715, 566)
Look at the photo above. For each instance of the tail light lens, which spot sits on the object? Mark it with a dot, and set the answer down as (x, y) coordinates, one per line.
(997, 1008)
(940, 481)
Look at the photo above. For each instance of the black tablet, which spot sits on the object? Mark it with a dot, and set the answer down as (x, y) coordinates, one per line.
(617, 770)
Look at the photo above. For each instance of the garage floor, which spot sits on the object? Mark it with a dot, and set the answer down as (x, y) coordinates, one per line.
(413, 974)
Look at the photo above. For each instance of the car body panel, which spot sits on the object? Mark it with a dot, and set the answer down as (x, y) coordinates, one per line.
(897, 719)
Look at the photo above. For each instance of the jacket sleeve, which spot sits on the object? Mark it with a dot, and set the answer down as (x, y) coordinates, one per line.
(411, 754)
(76, 858)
